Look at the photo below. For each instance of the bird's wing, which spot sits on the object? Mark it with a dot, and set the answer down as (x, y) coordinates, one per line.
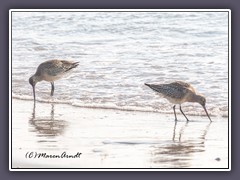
(52, 67)
(56, 67)
(183, 84)
(67, 66)
(169, 90)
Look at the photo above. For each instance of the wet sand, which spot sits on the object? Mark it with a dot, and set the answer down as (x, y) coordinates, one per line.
(114, 139)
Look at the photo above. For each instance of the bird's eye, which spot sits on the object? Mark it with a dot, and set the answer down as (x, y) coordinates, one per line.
(203, 100)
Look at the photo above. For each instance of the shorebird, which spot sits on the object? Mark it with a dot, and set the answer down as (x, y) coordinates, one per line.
(179, 92)
(51, 71)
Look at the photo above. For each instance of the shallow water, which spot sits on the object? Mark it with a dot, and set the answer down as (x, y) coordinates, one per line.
(115, 139)
(119, 52)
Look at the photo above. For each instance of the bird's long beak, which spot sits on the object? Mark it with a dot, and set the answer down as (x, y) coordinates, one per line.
(34, 97)
(207, 113)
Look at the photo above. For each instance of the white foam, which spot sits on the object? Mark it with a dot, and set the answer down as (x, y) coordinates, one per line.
(196, 111)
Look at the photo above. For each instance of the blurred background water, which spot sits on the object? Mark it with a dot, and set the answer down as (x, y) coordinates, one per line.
(119, 52)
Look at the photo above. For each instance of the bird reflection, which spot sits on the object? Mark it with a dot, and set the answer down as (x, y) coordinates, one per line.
(180, 132)
(205, 131)
(177, 153)
(46, 126)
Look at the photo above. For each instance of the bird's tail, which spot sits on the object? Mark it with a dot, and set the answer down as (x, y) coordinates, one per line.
(154, 87)
(73, 65)
(147, 84)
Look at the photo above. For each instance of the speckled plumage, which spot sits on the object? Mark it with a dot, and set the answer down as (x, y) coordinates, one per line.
(54, 69)
(175, 92)
(179, 92)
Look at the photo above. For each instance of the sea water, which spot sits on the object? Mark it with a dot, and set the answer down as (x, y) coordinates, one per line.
(119, 52)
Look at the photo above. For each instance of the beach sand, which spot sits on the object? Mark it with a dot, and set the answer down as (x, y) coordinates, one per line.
(114, 139)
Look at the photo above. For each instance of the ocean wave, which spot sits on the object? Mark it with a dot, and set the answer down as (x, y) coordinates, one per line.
(216, 112)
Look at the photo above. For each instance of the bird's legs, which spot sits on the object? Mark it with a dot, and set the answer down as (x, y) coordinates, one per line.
(183, 113)
(52, 91)
(175, 113)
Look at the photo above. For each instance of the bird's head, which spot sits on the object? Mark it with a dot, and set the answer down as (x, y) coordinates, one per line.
(202, 100)
(32, 81)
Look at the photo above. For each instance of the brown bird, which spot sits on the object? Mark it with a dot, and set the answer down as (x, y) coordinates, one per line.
(51, 71)
(179, 92)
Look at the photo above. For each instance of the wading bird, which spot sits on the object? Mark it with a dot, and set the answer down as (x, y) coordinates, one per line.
(51, 71)
(179, 92)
